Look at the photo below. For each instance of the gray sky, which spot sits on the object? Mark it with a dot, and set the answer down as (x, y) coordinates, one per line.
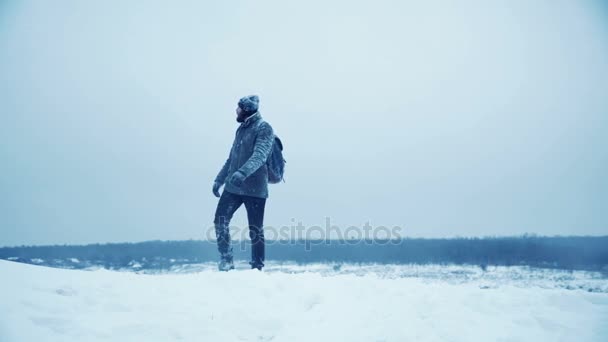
(468, 118)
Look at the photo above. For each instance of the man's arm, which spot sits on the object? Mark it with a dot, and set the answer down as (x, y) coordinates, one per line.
(221, 176)
(261, 150)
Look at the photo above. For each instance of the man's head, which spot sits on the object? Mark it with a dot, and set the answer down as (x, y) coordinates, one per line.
(247, 106)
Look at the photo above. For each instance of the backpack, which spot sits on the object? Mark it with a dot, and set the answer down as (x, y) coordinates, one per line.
(276, 162)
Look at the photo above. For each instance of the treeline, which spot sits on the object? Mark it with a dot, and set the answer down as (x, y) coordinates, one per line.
(589, 253)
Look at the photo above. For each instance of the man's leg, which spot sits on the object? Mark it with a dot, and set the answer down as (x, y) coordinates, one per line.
(226, 207)
(255, 215)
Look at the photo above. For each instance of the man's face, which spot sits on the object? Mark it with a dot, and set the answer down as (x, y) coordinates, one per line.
(240, 115)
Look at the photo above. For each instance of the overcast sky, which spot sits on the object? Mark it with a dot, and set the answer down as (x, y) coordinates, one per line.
(446, 118)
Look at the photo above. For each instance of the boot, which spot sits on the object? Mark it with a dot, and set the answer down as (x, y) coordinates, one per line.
(256, 265)
(226, 264)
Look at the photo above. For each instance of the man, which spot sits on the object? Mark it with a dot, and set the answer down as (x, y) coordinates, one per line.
(245, 180)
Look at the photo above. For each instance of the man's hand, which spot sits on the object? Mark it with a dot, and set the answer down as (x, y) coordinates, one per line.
(237, 179)
(216, 189)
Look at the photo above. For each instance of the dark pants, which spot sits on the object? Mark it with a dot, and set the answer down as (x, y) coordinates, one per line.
(226, 207)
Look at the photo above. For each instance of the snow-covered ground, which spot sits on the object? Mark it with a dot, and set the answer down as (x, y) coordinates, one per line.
(302, 303)
(491, 277)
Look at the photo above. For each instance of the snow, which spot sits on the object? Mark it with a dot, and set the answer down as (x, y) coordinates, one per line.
(290, 304)
(495, 276)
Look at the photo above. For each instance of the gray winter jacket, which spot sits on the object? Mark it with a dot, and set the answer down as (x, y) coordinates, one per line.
(250, 149)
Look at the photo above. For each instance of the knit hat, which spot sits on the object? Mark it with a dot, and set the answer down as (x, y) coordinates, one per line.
(249, 104)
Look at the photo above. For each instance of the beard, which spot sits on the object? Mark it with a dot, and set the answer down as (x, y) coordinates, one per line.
(243, 116)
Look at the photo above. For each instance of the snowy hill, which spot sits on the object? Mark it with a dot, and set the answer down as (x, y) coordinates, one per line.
(46, 304)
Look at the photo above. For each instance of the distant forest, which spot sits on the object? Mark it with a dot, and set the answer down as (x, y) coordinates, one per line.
(573, 253)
